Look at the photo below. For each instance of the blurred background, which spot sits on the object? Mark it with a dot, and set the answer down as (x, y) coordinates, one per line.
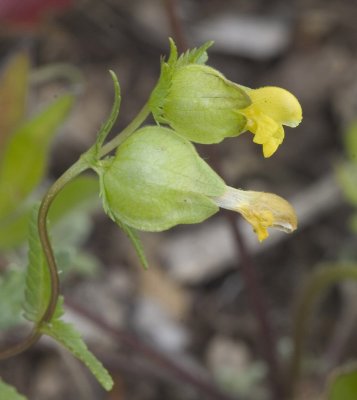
(216, 303)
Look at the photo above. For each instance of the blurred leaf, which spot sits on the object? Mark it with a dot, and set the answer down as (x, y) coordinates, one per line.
(11, 298)
(343, 385)
(13, 91)
(350, 141)
(347, 177)
(8, 392)
(79, 194)
(25, 159)
(66, 334)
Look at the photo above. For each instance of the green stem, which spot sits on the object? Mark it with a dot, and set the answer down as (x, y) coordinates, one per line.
(83, 163)
(132, 127)
(317, 283)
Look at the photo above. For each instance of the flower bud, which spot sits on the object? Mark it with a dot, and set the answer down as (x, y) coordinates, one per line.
(203, 106)
(157, 180)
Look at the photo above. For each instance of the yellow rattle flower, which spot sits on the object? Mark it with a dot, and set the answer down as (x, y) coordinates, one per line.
(262, 210)
(271, 108)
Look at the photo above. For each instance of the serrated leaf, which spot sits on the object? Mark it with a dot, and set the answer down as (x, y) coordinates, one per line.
(66, 334)
(343, 385)
(8, 392)
(38, 284)
(13, 91)
(12, 284)
(24, 161)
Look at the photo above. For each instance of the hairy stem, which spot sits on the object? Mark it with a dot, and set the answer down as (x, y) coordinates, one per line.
(318, 282)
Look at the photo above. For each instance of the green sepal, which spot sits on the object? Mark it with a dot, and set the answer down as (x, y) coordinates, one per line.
(136, 242)
(203, 106)
(168, 69)
(157, 180)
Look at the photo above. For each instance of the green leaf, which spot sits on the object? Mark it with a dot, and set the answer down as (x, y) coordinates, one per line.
(13, 91)
(108, 125)
(66, 334)
(343, 385)
(38, 284)
(12, 284)
(157, 180)
(25, 158)
(136, 242)
(8, 392)
(350, 141)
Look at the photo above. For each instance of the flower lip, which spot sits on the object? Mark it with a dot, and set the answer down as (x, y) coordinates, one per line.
(271, 108)
(262, 210)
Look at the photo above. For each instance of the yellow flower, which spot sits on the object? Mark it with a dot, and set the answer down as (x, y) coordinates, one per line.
(262, 210)
(271, 108)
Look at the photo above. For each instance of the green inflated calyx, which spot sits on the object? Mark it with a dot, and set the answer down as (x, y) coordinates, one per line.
(157, 180)
(203, 106)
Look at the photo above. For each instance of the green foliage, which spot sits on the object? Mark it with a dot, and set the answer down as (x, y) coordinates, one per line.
(25, 158)
(343, 385)
(157, 180)
(8, 392)
(12, 283)
(65, 334)
(13, 91)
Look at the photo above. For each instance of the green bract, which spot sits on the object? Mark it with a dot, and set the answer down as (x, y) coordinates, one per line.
(157, 180)
(203, 106)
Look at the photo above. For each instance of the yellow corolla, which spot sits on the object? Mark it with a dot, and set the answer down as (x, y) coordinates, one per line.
(271, 108)
(262, 210)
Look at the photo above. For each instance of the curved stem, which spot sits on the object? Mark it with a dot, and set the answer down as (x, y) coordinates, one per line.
(317, 283)
(76, 169)
(83, 163)
(33, 337)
